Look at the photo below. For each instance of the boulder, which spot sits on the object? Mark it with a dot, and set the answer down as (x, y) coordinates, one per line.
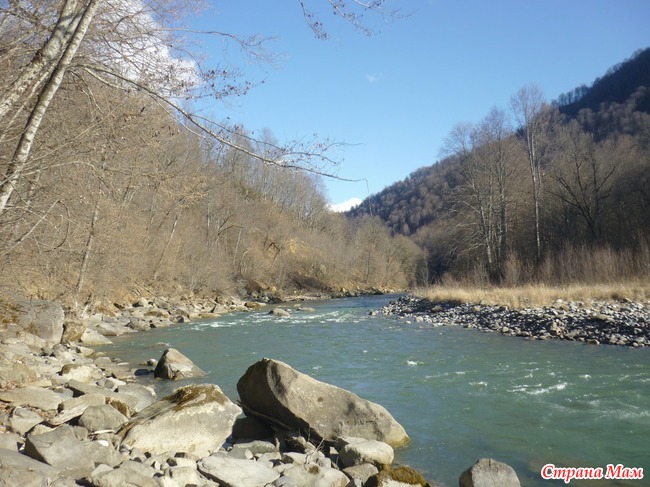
(61, 449)
(401, 476)
(80, 372)
(16, 373)
(10, 441)
(112, 329)
(233, 472)
(316, 475)
(273, 390)
(92, 338)
(37, 397)
(72, 331)
(145, 395)
(193, 419)
(104, 417)
(24, 419)
(75, 407)
(138, 324)
(174, 365)
(185, 476)
(18, 469)
(124, 403)
(356, 451)
(279, 312)
(359, 474)
(126, 475)
(489, 473)
(38, 317)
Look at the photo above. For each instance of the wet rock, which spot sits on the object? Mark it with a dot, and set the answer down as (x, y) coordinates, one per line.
(195, 419)
(174, 365)
(487, 473)
(278, 393)
(279, 312)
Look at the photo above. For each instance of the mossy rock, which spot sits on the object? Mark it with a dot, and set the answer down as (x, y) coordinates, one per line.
(402, 474)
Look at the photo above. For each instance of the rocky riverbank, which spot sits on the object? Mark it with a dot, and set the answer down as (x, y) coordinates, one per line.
(70, 416)
(625, 323)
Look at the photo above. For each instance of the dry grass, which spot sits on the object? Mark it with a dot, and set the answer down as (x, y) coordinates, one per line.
(532, 295)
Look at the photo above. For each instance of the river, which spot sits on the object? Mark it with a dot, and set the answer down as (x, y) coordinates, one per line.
(460, 394)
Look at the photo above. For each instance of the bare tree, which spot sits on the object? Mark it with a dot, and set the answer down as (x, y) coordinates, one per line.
(583, 176)
(133, 45)
(532, 115)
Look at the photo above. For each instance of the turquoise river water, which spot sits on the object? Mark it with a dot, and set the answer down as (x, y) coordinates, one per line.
(460, 394)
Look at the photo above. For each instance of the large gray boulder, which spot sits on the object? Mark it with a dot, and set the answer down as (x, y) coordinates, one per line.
(61, 449)
(38, 317)
(193, 419)
(174, 365)
(273, 390)
(489, 473)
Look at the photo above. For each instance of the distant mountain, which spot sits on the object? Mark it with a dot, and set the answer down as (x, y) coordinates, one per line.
(623, 82)
(416, 201)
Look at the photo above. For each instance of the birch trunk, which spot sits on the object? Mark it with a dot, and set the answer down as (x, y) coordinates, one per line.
(23, 150)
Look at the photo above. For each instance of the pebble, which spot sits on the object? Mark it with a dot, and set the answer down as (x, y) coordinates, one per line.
(600, 323)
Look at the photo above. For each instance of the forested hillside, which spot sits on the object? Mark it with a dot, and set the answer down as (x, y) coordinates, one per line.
(110, 184)
(553, 192)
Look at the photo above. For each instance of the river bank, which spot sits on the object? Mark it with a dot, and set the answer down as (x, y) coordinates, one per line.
(625, 323)
(72, 416)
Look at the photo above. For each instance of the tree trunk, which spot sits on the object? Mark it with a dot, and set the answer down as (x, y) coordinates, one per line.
(87, 250)
(45, 60)
(23, 150)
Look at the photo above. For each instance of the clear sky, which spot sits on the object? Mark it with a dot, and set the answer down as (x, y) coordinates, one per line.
(394, 96)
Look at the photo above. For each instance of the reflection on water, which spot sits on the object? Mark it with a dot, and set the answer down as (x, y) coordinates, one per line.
(461, 394)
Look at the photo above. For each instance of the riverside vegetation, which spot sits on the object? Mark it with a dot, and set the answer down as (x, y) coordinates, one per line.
(70, 416)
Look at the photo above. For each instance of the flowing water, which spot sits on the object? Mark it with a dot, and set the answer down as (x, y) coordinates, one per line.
(460, 394)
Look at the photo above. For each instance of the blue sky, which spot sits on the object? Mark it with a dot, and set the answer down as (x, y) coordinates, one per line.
(394, 96)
